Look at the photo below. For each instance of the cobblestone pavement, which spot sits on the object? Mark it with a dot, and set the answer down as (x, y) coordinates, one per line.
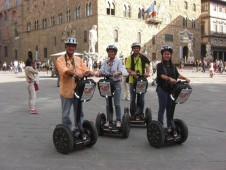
(26, 140)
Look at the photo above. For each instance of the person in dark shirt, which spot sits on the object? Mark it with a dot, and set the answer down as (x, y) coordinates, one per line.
(167, 75)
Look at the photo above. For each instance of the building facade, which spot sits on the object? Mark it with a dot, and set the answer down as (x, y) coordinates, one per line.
(213, 28)
(40, 27)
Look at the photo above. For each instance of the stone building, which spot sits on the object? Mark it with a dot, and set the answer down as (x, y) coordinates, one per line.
(40, 26)
(213, 28)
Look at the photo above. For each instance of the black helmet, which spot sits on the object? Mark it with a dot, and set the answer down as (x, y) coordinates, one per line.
(112, 47)
(167, 48)
(136, 44)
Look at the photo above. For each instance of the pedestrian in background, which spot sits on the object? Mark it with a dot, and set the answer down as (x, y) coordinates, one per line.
(30, 73)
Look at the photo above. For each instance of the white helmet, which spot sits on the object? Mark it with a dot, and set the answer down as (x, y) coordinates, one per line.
(70, 40)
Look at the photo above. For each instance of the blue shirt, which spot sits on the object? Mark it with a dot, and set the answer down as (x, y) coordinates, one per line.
(116, 67)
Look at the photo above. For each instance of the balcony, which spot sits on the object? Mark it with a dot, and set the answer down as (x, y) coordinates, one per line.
(152, 19)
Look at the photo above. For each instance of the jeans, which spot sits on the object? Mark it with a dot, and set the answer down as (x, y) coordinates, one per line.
(165, 103)
(117, 98)
(66, 107)
(133, 106)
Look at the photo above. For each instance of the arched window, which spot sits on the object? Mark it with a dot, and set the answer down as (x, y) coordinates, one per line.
(193, 23)
(88, 9)
(115, 35)
(185, 22)
(36, 25)
(110, 8)
(139, 37)
(28, 26)
(68, 15)
(194, 7)
(44, 23)
(60, 18)
(126, 10)
(185, 5)
(52, 20)
(141, 13)
(77, 12)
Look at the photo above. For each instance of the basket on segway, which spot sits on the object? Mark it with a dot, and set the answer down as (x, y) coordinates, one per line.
(63, 138)
(158, 135)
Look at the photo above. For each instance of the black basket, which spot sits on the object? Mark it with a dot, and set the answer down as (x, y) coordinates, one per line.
(140, 85)
(106, 87)
(181, 92)
(85, 89)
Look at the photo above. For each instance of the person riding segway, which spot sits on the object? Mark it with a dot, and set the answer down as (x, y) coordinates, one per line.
(170, 92)
(137, 66)
(110, 88)
(73, 91)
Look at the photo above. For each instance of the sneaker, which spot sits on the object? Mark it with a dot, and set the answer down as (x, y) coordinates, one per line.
(118, 124)
(33, 111)
(106, 124)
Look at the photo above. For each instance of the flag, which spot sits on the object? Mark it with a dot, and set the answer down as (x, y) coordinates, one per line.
(151, 8)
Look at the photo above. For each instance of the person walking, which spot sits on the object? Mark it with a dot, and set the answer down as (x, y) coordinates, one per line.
(30, 73)
(113, 66)
(167, 75)
(70, 67)
(136, 63)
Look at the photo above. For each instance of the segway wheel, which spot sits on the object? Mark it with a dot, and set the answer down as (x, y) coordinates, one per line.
(155, 134)
(125, 125)
(148, 116)
(63, 139)
(100, 121)
(182, 130)
(91, 131)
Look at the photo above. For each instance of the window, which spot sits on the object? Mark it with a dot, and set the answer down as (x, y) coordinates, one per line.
(205, 6)
(221, 28)
(16, 2)
(110, 8)
(139, 37)
(36, 25)
(185, 5)
(16, 29)
(126, 10)
(85, 36)
(153, 40)
(169, 2)
(88, 9)
(215, 7)
(45, 53)
(28, 26)
(141, 13)
(6, 51)
(220, 8)
(60, 18)
(52, 20)
(193, 23)
(194, 7)
(68, 15)
(16, 56)
(169, 37)
(44, 23)
(185, 22)
(115, 35)
(215, 28)
(78, 13)
(55, 42)
(7, 4)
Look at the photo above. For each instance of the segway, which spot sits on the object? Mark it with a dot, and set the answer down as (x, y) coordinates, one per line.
(140, 87)
(63, 138)
(158, 135)
(107, 89)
